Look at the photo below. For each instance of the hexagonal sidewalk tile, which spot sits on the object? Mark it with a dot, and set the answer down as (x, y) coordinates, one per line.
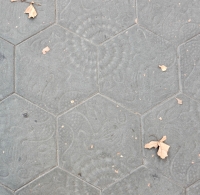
(6, 68)
(58, 182)
(99, 141)
(190, 67)
(181, 125)
(194, 189)
(61, 78)
(4, 191)
(96, 20)
(27, 142)
(130, 73)
(176, 20)
(15, 24)
(144, 182)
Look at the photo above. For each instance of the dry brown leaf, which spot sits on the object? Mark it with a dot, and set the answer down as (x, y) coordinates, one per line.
(163, 148)
(179, 101)
(31, 11)
(163, 67)
(13, 0)
(151, 145)
(45, 50)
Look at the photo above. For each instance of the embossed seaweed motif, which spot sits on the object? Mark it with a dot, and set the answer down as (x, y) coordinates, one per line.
(27, 144)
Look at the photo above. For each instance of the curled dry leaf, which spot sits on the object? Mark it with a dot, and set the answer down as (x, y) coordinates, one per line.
(45, 50)
(163, 148)
(179, 101)
(163, 67)
(31, 11)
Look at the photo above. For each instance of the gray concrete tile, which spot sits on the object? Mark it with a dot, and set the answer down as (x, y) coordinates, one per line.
(99, 141)
(194, 189)
(58, 182)
(27, 142)
(190, 67)
(129, 71)
(144, 182)
(175, 20)
(4, 191)
(96, 20)
(16, 26)
(61, 78)
(6, 68)
(181, 124)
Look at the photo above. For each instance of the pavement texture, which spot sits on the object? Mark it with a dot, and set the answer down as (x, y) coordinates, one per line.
(74, 121)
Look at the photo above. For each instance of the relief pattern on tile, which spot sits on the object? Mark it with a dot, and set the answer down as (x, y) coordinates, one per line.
(176, 21)
(194, 189)
(181, 124)
(96, 20)
(58, 182)
(16, 26)
(27, 142)
(6, 68)
(61, 78)
(99, 141)
(129, 69)
(190, 67)
(144, 182)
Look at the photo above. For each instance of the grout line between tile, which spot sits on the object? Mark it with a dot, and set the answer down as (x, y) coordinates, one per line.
(36, 33)
(79, 178)
(7, 41)
(190, 97)
(93, 95)
(108, 98)
(161, 103)
(98, 69)
(192, 183)
(143, 27)
(36, 178)
(76, 34)
(119, 33)
(35, 105)
(57, 142)
(14, 68)
(131, 172)
(136, 10)
(56, 11)
(142, 134)
(6, 187)
(6, 97)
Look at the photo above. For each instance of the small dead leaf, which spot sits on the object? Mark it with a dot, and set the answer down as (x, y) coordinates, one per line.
(163, 67)
(136, 20)
(160, 118)
(13, 0)
(31, 11)
(163, 148)
(179, 101)
(153, 144)
(45, 50)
